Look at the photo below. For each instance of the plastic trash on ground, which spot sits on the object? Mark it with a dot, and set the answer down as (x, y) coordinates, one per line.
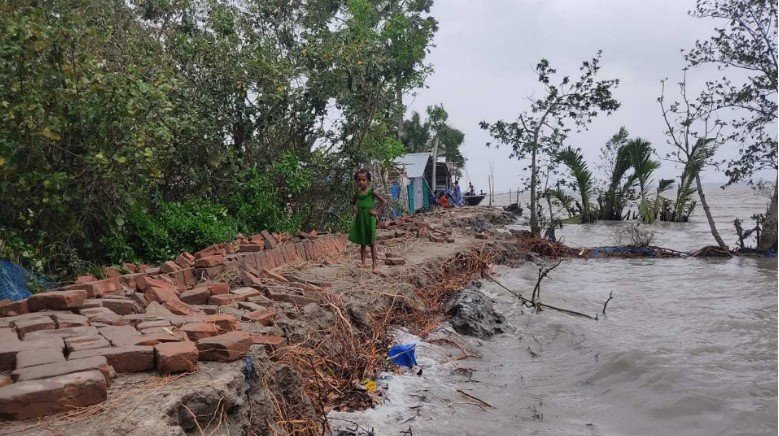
(403, 355)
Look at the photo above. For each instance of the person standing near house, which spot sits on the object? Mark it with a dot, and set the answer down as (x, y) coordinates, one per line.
(458, 195)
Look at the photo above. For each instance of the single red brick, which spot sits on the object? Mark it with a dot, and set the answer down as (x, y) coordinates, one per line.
(250, 248)
(197, 295)
(246, 292)
(86, 278)
(120, 335)
(270, 342)
(39, 356)
(9, 350)
(274, 276)
(209, 261)
(35, 398)
(199, 330)
(225, 321)
(176, 357)
(263, 317)
(159, 337)
(224, 348)
(81, 343)
(103, 287)
(160, 295)
(270, 241)
(65, 320)
(69, 332)
(57, 300)
(30, 325)
(61, 368)
(219, 288)
(155, 323)
(185, 260)
(179, 307)
(121, 306)
(131, 358)
(5, 380)
(225, 300)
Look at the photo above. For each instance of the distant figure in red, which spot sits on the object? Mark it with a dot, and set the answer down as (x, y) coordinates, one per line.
(443, 201)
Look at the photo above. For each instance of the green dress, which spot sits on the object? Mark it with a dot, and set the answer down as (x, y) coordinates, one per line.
(363, 229)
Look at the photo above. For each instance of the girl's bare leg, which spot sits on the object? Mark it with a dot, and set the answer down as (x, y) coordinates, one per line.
(375, 259)
(363, 253)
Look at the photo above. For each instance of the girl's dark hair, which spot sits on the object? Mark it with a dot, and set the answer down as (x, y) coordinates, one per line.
(363, 171)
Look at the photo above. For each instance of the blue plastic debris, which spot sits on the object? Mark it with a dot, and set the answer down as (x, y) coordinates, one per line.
(14, 279)
(403, 355)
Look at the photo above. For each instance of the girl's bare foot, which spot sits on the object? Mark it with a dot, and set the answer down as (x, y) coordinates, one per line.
(363, 266)
(375, 270)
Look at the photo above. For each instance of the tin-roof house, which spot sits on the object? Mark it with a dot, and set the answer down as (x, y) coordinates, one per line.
(413, 174)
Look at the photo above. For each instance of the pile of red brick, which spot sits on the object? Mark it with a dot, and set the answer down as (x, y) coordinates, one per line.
(63, 347)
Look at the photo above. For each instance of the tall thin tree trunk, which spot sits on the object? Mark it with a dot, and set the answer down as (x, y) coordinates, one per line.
(534, 228)
(768, 237)
(709, 218)
(399, 101)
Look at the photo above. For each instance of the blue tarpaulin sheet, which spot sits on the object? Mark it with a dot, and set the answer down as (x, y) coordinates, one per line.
(14, 280)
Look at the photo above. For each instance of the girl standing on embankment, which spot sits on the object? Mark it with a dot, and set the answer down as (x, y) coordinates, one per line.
(363, 231)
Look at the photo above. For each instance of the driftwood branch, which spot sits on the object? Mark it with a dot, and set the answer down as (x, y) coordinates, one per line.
(474, 398)
(528, 303)
(542, 273)
(611, 295)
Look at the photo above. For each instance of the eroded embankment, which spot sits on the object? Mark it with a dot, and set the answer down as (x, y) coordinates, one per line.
(332, 317)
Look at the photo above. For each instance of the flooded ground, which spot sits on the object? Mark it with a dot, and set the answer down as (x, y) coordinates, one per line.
(688, 346)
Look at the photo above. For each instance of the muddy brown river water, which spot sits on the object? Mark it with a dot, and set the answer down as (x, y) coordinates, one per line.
(688, 347)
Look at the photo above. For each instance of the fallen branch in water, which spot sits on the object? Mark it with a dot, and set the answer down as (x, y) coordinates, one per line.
(528, 303)
(542, 273)
(611, 295)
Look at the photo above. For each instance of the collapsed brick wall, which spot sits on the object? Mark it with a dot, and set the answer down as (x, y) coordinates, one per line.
(60, 349)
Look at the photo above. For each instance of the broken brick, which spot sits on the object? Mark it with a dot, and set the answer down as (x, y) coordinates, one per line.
(224, 348)
(225, 321)
(270, 342)
(197, 295)
(199, 330)
(209, 261)
(225, 299)
(35, 398)
(121, 306)
(179, 307)
(219, 288)
(176, 357)
(263, 317)
(169, 267)
(245, 292)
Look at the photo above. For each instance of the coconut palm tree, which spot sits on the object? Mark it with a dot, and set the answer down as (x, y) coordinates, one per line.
(614, 198)
(573, 159)
(640, 154)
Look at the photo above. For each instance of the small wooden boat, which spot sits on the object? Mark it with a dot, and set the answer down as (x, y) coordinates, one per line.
(472, 200)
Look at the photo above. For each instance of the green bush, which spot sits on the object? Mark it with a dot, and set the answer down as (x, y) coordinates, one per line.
(175, 227)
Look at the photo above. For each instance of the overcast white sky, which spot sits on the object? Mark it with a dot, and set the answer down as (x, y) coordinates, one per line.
(485, 51)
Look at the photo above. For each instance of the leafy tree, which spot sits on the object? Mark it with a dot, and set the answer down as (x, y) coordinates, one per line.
(542, 129)
(746, 41)
(418, 135)
(695, 134)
